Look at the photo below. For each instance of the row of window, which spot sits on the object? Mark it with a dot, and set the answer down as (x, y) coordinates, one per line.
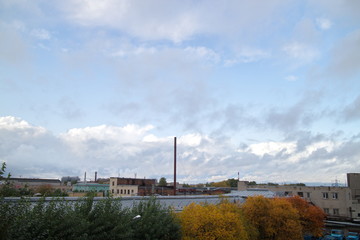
(334, 212)
(334, 195)
(123, 191)
(325, 195)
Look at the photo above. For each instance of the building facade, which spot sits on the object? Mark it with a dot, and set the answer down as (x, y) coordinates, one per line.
(125, 187)
(337, 202)
(33, 182)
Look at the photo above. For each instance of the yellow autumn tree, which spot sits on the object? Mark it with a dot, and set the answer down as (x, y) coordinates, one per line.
(274, 219)
(311, 217)
(207, 222)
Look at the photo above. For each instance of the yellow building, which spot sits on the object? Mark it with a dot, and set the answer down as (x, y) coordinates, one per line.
(122, 190)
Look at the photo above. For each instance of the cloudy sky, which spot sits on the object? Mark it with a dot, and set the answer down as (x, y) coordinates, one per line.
(269, 89)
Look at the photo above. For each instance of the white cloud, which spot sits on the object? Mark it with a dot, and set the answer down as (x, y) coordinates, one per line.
(271, 148)
(323, 23)
(301, 52)
(252, 54)
(10, 123)
(192, 140)
(291, 78)
(41, 34)
(247, 55)
(203, 53)
(145, 20)
(173, 20)
(130, 149)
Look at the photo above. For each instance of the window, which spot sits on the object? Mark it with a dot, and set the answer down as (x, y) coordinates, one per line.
(117, 191)
(113, 183)
(132, 190)
(112, 190)
(121, 191)
(128, 191)
(335, 195)
(308, 195)
(325, 195)
(326, 210)
(301, 194)
(336, 211)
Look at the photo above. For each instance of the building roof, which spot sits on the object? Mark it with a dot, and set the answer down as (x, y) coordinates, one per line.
(91, 184)
(34, 180)
(252, 193)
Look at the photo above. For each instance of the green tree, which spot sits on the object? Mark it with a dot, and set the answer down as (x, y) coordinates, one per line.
(86, 220)
(153, 221)
(6, 189)
(232, 182)
(2, 170)
(162, 182)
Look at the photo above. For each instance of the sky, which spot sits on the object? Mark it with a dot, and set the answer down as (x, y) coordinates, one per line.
(269, 90)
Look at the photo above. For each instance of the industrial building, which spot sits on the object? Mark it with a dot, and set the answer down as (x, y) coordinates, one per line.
(341, 203)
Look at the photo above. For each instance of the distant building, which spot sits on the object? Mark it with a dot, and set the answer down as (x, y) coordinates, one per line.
(33, 182)
(122, 187)
(337, 202)
(91, 187)
(69, 179)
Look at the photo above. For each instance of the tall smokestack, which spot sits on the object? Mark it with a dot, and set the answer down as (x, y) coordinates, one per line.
(85, 177)
(95, 176)
(174, 165)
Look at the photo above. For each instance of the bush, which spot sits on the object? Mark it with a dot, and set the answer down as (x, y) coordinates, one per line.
(107, 219)
(155, 221)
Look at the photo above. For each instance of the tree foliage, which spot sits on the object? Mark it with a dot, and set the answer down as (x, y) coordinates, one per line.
(162, 182)
(273, 218)
(154, 222)
(223, 221)
(311, 217)
(2, 170)
(86, 219)
(6, 188)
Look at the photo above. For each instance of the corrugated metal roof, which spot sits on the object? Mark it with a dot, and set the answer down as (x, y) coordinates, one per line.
(252, 193)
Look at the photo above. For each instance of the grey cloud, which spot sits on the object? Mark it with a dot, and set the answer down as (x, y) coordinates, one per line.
(232, 118)
(69, 109)
(345, 61)
(345, 12)
(33, 152)
(352, 111)
(295, 116)
(304, 139)
(13, 50)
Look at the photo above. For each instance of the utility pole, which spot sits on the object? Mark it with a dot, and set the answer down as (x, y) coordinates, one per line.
(174, 166)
